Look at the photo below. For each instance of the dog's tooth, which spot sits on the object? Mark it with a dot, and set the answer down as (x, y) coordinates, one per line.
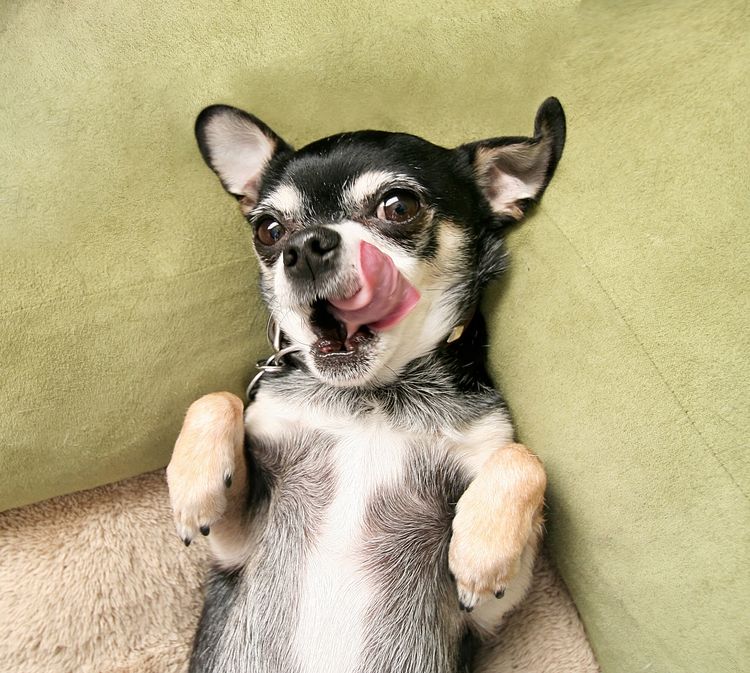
(325, 346)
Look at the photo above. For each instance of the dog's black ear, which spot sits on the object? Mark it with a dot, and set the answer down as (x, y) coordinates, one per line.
(238, 147)
(513, 173)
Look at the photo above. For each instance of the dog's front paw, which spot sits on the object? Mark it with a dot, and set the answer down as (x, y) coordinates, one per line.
(485, 549)
(203, 463)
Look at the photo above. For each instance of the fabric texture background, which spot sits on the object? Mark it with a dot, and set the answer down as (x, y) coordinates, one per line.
(619, 333)
(99, 581)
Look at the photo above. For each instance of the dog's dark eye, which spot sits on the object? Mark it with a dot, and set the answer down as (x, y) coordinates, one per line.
(398, 205)
(270, 232)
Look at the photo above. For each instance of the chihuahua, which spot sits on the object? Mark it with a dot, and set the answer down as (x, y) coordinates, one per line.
(369, 512)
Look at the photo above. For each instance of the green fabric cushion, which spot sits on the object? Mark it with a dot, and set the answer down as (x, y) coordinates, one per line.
(619, 335)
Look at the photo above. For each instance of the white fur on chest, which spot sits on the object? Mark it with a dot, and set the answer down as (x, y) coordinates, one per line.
(336, 590)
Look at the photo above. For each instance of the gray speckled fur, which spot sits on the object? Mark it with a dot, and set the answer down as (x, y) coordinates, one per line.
(415, 611)
(249, 614)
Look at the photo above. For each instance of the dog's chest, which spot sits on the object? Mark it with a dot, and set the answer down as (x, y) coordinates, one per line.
(338, 585)
(373, 506)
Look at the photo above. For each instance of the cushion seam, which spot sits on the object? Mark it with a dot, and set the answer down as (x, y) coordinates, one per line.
(642, 347)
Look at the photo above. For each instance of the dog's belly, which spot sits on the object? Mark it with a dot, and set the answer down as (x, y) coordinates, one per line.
(350, 573)
(337, 589)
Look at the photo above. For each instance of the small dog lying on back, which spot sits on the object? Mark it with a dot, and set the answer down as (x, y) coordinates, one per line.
(371, 512)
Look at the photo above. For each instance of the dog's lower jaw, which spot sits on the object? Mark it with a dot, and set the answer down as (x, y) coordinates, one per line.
(363, 371)
(376, 360)
(372, 368)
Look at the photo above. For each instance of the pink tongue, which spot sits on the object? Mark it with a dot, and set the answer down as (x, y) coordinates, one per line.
(384, 298)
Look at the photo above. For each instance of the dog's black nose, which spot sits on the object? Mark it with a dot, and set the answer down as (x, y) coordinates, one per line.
(311, 252)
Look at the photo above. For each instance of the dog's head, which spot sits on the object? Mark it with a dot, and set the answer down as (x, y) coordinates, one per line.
(374, 246)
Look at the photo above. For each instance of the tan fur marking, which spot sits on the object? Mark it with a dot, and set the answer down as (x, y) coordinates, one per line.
(208, 449)
(498, 516)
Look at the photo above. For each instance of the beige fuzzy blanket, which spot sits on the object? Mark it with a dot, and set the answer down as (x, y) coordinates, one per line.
(98, 582)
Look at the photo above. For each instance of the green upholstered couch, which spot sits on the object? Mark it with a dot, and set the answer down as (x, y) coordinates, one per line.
(619, 335)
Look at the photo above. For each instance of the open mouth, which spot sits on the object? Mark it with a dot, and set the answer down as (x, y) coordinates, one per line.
(347, 325)
(333, 336)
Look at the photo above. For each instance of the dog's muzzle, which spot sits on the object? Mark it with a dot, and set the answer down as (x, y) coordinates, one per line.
(349, 294)
(311, 254)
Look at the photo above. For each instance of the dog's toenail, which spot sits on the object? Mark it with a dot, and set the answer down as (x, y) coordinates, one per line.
(227, 480)
(187, 541)
(500, 593)
(205, 530)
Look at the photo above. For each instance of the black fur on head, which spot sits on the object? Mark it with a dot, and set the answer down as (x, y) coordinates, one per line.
(437, 214)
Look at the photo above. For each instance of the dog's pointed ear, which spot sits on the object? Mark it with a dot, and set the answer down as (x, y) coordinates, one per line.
(513, 173)
(238, 147)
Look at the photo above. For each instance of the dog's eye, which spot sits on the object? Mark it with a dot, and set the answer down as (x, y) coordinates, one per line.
(270, 232)
(398, 205)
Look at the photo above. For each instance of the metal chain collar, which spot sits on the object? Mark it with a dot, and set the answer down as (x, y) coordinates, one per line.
(275, 362)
